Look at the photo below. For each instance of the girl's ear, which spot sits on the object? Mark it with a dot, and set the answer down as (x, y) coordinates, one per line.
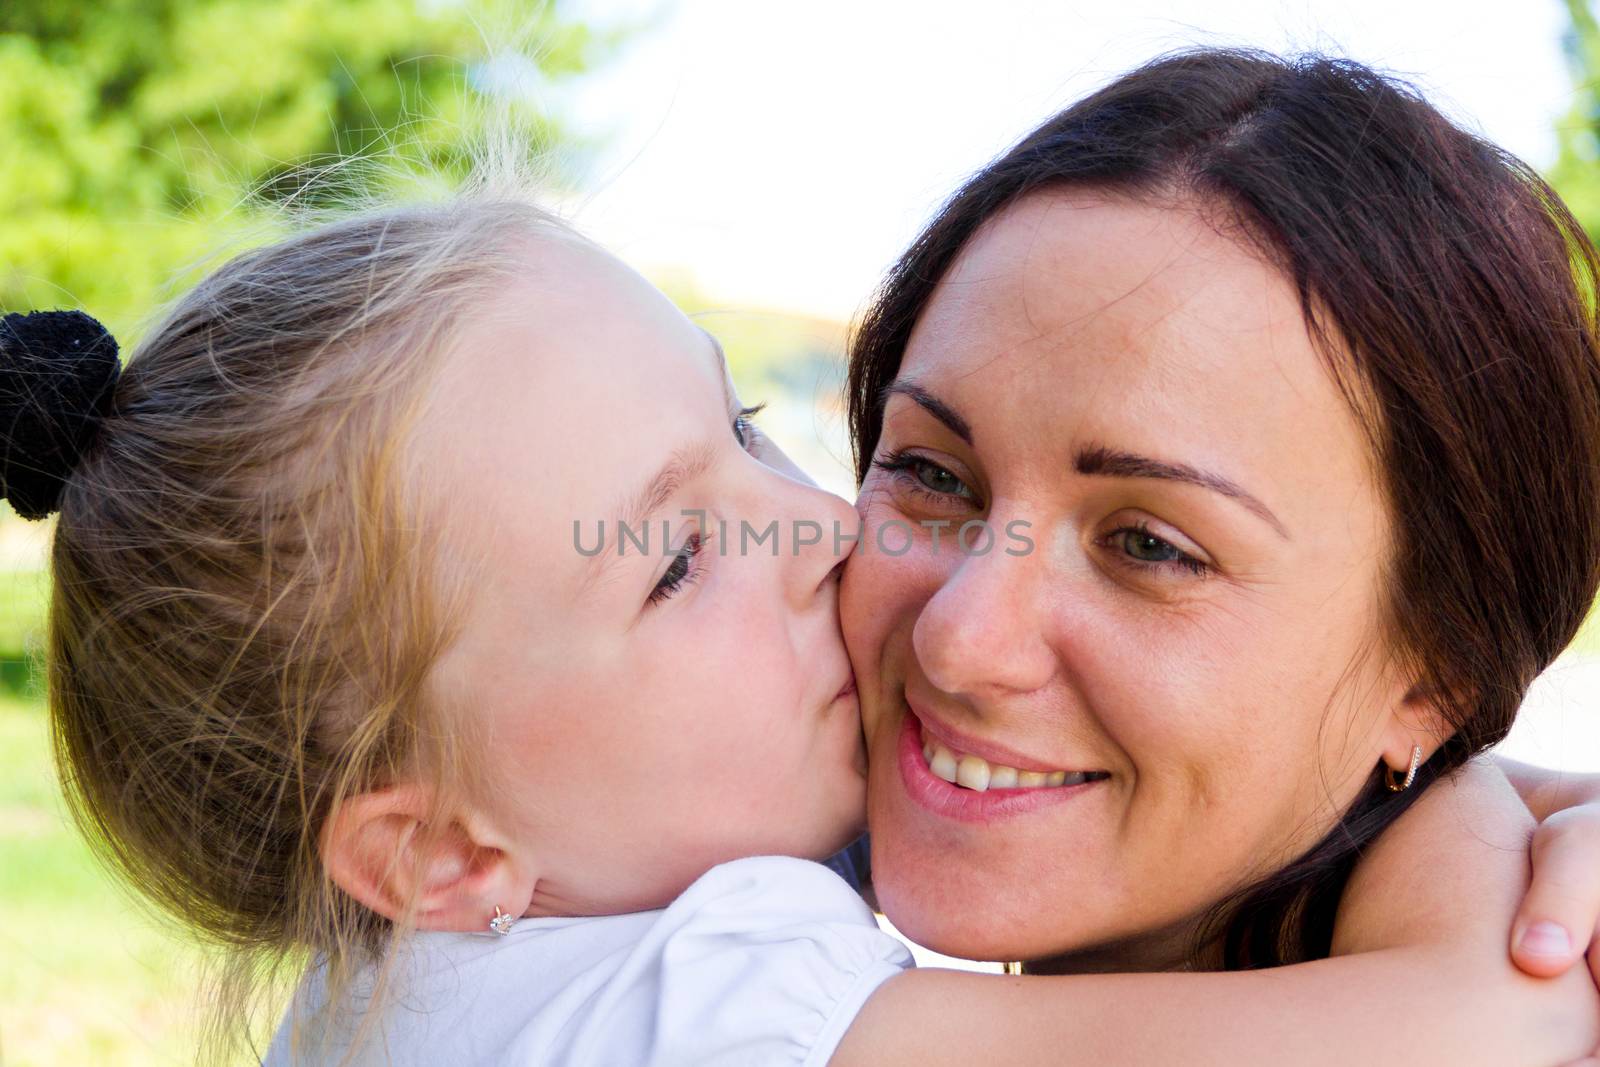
(392, 852)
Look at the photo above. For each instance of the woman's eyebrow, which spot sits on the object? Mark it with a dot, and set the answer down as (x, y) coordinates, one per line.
(1115, 464)
(929, 403)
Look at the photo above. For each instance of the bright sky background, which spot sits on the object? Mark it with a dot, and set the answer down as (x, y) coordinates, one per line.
(785, 153)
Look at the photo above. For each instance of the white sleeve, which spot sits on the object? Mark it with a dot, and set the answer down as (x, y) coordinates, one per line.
(764, 960)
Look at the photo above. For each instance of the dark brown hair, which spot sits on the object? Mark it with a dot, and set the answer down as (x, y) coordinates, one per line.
(1452, 294)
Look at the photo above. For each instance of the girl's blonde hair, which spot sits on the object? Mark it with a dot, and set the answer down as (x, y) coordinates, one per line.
(248, 592)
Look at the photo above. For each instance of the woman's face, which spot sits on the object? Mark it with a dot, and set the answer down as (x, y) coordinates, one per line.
(646, 710)
(1181, 645)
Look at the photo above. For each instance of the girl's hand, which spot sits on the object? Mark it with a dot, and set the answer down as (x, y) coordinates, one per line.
(1565, 896)
(1557, 922)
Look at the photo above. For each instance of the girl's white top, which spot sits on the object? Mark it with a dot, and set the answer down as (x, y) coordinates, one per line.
(763, 960)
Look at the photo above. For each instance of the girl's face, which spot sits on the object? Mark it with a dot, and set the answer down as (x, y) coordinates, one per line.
(1181, 645)
(651, 711)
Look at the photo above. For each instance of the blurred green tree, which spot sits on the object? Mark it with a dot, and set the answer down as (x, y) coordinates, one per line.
(135, 133)
(1576, 172)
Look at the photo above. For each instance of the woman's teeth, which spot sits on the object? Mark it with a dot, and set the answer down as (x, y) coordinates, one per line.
(977, 773)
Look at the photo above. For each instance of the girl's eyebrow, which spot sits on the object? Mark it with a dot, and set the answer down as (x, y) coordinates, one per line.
(1096, 459)
(686, 463)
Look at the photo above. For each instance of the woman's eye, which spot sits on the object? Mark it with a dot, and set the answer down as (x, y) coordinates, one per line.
(679, 572)
(1138, 543)
(1142, 545)
(938, 479)
(744, 427)
(926, 474)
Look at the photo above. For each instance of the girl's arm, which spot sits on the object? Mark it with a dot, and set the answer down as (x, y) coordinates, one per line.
(1547, 791)
(1559, 917)
(1420, 976)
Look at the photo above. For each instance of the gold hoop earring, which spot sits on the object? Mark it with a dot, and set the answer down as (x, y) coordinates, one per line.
(1411, 775)
(501, 923)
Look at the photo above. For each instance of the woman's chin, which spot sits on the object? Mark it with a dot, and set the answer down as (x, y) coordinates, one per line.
(960, 914)
(1041, 935)
(967, 936)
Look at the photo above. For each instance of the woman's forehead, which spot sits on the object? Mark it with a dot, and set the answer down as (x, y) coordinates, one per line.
(1083, 318)
(1150, 275)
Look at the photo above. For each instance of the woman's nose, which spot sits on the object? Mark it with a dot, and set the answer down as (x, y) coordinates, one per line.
(983, 630)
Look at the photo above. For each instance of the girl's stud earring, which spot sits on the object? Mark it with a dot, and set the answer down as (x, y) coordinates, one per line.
(501, 923)
(1411, 775)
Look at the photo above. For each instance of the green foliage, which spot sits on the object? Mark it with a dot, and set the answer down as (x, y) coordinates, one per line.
(1576, 173)
(139, 134)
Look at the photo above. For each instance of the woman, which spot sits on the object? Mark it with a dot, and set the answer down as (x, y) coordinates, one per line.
(1255, 349)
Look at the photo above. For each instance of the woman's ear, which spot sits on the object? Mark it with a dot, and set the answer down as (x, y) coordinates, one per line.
(392, 852)
(1418, 721)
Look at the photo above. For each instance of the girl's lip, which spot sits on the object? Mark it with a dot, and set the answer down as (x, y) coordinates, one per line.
(847, 689)
(951, 801)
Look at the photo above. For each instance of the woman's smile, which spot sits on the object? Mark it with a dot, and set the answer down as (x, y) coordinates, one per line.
(960, 785)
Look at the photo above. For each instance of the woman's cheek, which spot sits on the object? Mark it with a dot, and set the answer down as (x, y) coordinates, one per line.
(892, 572)
(882, 596)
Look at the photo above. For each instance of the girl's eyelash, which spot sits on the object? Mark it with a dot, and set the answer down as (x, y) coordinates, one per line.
(1189, 563)
(685, 567)
(682, 571)
(745, 430)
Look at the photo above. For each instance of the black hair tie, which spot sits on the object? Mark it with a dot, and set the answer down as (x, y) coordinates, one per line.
(58, 370)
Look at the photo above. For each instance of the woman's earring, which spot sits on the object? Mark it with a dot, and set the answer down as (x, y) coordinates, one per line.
(501, 923)
(1411, 775)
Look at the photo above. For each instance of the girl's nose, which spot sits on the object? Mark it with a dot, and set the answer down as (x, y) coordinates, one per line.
(818, 533)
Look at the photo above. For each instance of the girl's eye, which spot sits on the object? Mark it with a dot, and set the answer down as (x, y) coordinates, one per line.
(744, 428)
(1139, 544)
(924, 475)
(680, 572)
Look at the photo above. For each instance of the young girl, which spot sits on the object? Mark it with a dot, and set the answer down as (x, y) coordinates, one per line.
(337, 676)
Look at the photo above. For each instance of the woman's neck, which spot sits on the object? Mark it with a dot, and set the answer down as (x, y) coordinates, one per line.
(1171, 948)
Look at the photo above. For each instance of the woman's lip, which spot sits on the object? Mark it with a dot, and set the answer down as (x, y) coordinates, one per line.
(943, 798)
(847, 689)
(957, 741)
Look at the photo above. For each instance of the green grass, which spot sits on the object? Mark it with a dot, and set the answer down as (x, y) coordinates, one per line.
(87, 977)
(87, 974)
(23, 597)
